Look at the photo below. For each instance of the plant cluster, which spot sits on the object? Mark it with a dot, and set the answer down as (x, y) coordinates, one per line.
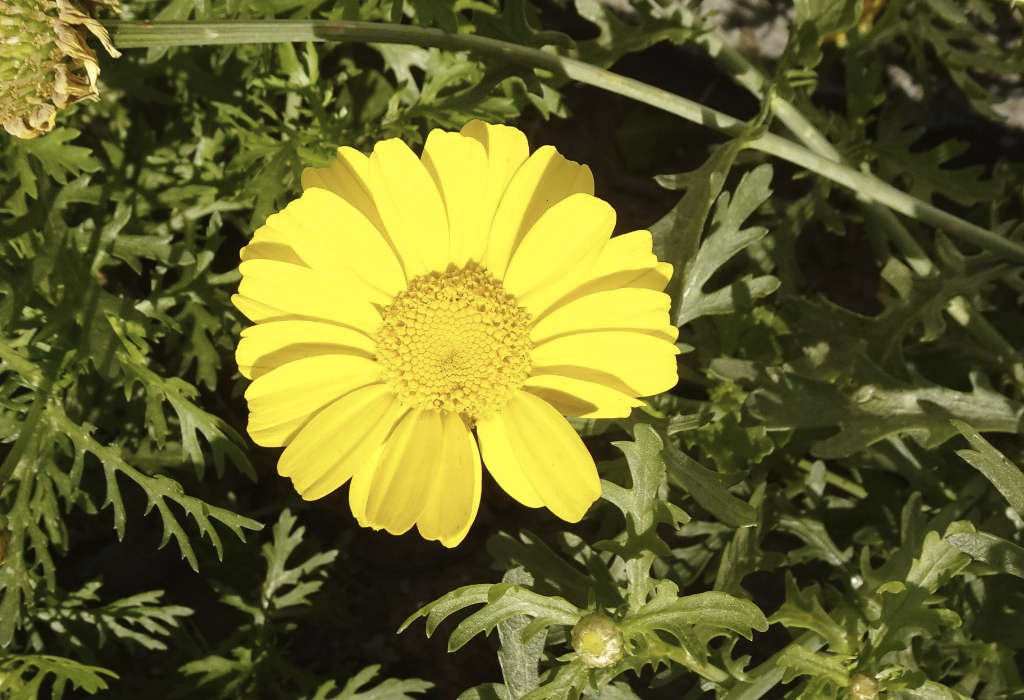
(828, 505)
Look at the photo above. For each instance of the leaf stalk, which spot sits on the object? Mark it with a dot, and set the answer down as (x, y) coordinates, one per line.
(127, 35)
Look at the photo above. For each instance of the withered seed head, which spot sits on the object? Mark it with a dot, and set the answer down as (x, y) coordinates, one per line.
(46, 63)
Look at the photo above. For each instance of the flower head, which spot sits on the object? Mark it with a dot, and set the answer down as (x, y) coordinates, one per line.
(863, 687)
(596, 639)
(417, 317)
(46, 63)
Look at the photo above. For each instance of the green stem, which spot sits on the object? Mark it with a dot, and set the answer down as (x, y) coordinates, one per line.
(748, 76)
(839, 482)
(128, 35)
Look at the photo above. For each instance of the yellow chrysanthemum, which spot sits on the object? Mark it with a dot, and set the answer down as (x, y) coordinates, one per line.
(418, 316)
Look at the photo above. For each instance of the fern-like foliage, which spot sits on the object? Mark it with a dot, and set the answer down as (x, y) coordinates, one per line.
(355, 688)
(22, 676)
(254, 657)
(659, 627)
(80, 621)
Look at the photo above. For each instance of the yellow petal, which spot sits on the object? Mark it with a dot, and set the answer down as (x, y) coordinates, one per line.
(392, 494)
(334, 238)
(268, 345)
(629, 257)
(458, 166)
(270, 244)
(643, 310)
(546, 450)
(291, 290)
(625, 261)
(566, 239)
(454, 497)
(577, 397)
(506, 149)
(502, 463)
(339, 440)
(634, 363)
(255, 310)
(545, 179)
(284, 398)
(410, 207)
(348, 177)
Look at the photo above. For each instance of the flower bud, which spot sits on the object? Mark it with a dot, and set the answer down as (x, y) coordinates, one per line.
(597, 640)
(863, 687)
(46, 63)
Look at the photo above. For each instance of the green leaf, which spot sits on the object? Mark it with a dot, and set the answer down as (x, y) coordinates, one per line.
(743, 554)
(938, 561)
(160, 490)
(997, 552)
(550, 570)
(437, 611)
(930, 690)
(802, 610)
(994, 466)
(487, 691)
(707, 488)
(617, 691)
(926, 172)
(907, 607)
(875, 409)
(501, 601)
(800, 661)
(23, 675)
(816, 538)
(517, 657)
(59, 160)
(643, 504)
(712, 609)
(727, 238)
(566, 683)
(677, 235)
(963, 40)
(617, 37)
(234, 671)
(389, 689)
(722, 430)
(435, 13)
(193, 421)
(286, 587)
(140, 618)
(828, 16)
(23, 539)
(515, 23)
(507, 600)
(203, 330)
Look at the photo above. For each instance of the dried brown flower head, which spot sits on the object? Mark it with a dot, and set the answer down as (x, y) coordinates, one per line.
(46, 63)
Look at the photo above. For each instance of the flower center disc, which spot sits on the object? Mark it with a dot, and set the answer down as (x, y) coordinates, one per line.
(455, 341)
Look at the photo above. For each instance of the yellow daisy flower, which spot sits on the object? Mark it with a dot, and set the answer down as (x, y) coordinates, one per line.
(418, 316)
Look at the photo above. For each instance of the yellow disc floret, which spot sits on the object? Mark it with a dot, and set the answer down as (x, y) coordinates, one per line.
(455, 341)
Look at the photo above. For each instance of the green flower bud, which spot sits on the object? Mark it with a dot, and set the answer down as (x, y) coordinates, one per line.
(597, 640)
(46, 64)
(863, 687)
